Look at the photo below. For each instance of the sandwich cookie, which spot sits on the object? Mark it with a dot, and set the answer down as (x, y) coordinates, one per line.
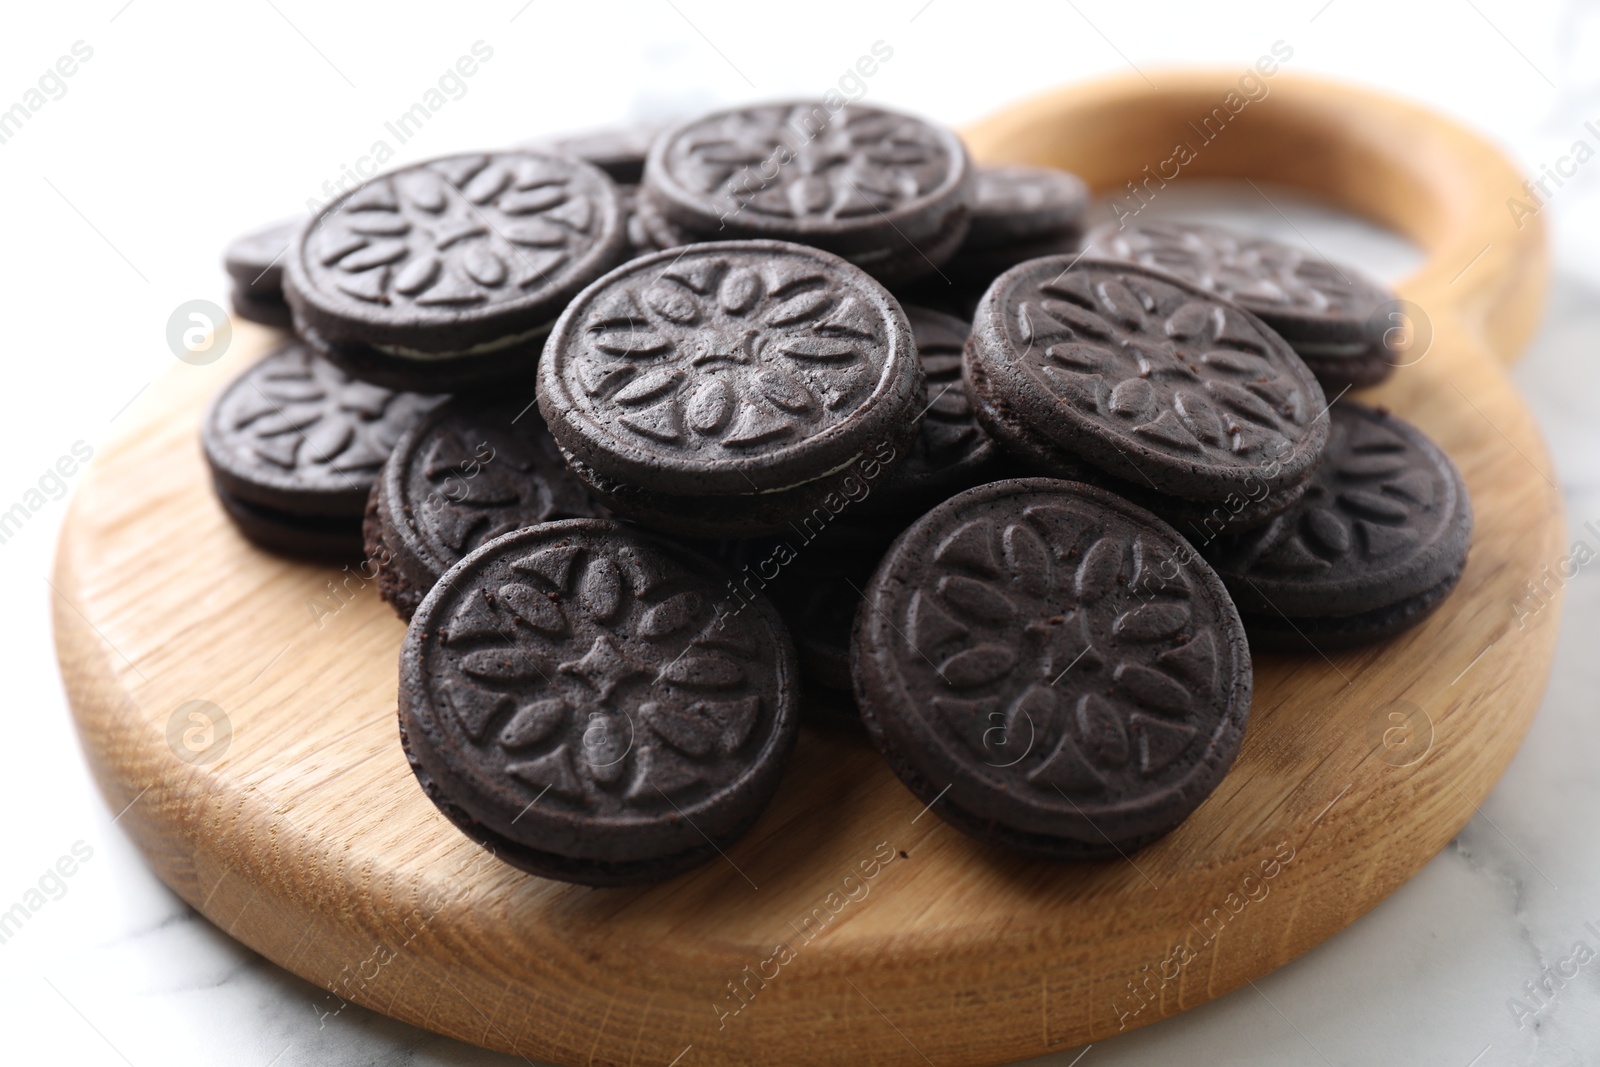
(576, 697)
(1051, 669)
(1329, 313)
(294, 445)
(1375, 546)
(1148, 385)
(1018, 213)
(886, 191)
(732, 389)
(458, 478)
(446, 275)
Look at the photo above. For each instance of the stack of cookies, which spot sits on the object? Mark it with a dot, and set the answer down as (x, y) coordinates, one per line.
(662, 440)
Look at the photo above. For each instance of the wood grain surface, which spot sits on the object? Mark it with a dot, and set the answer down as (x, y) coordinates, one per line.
(849, 927)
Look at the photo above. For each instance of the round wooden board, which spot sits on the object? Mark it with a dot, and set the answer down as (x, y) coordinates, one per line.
(850, 926)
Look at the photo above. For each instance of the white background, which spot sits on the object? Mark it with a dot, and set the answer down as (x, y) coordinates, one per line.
(194, 121)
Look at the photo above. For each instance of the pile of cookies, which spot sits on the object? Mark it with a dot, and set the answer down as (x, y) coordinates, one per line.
(661, 441)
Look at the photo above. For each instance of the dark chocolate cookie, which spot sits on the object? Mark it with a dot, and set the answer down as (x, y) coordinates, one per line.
(295, 438)
(951, 452)
(1051, 669)
(728, 389)
(447, 274)
(1200, 521)
(1323, 309)
(620, 151)
(578, 696)
(1138, 375)
(1020, 205)
(463, 475)
(254, 261)
(266, 310)
(1282, 634)
(888, 192)
(313, 537)
(1376, 544)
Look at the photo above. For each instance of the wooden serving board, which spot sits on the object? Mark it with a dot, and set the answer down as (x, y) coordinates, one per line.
(850, 926)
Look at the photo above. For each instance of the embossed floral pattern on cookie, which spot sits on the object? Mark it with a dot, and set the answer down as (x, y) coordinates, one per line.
(1148, 377)
(296, 420)
(601, 679)
(460, 238)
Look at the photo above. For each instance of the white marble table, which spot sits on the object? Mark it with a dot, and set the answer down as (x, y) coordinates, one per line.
(187, 125)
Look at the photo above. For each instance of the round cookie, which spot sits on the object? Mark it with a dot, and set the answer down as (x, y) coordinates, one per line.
(1203, 522)
(1326, 311)
(577, 696)
(446, 275)
(463, 475)
(314, 537)
(732, 389)
(294, 443)
(1052, 669)
(1077, 363)
(951, 452)
(1375, 545)
(620, 151)
(265, 310)
(1020, 205)
(1277, 633)
(254, 261)
(1199, 521)
(889, 192)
